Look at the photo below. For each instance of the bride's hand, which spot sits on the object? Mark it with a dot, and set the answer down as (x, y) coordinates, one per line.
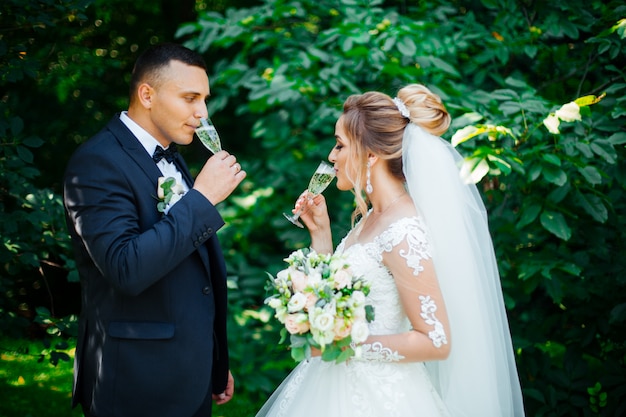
(314, 211)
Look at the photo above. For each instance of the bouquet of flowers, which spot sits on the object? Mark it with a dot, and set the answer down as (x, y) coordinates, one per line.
(321, 303)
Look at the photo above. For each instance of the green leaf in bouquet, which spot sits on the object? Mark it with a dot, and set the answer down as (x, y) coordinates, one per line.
(299, 354)
(331, 353)
(283, 335)
(369, 313)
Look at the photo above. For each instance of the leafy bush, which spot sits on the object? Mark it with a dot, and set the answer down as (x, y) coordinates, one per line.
(555, 200)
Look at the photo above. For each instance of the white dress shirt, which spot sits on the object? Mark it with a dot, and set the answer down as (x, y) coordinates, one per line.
(168, 169)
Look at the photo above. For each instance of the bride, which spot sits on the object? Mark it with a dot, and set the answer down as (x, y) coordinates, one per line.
(440, 343)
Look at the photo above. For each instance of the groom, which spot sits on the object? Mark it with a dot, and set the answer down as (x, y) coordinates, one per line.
(152, 330)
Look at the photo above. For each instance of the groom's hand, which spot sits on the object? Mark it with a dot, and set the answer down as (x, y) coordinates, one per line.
(218, 178)
(227, 395)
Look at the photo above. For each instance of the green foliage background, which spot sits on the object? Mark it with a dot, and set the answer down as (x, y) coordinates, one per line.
(279, 72)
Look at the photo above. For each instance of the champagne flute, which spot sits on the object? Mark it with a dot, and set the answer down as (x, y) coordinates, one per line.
(322, 177)
(208, 135)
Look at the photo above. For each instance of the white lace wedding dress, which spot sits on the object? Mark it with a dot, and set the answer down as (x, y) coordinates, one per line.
(360, 388)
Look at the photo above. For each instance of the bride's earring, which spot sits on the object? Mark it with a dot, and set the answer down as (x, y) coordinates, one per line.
(368, 184)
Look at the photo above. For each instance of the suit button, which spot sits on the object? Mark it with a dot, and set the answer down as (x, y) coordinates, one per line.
(206, 290)
(196, 243)
(209, 230)
(205, 235)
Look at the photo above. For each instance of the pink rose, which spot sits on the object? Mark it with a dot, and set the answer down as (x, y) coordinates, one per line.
(311, 299)
(342, 329)
(297, 323)
(298, 280)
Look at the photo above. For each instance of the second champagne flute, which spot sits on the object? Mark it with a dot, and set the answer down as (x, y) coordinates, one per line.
(322, 177)
(208, 135)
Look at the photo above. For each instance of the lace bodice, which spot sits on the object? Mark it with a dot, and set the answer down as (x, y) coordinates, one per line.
(366, 259)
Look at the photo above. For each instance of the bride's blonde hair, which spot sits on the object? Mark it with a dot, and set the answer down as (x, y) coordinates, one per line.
(374, 124)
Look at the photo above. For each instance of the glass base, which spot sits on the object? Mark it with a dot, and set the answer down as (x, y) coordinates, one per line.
(293, 219)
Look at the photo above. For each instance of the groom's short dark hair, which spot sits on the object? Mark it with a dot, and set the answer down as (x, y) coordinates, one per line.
(158, 56)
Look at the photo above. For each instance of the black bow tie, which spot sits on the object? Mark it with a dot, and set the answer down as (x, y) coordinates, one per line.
(169, 154)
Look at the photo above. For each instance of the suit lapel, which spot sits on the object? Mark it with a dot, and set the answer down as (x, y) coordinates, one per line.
(182, 167)
(136, 151)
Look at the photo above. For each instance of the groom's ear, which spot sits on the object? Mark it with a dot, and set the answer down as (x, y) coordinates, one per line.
(145, 94)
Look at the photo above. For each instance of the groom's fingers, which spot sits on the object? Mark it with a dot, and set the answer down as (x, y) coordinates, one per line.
(227, 395)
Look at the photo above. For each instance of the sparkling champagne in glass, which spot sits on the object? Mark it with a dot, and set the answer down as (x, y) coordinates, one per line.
(208, 135)
(322, 177)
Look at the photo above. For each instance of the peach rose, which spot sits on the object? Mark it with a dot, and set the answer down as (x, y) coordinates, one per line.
(298, 280)
(297, 323)
(342, 329)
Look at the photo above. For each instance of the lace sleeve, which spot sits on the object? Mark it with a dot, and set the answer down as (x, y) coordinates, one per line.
(412, 231)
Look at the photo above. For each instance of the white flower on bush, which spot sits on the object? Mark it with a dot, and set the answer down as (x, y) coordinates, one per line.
(552, 124)
(569, 112)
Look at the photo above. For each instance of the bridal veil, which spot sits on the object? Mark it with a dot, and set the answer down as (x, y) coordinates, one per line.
(479, 378)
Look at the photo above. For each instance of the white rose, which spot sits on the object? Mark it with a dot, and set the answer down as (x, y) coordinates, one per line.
(360, 331)
(315, 279)
(281, 314)
(569, 112)
(359, 313)
(323, 338)
(323, 322)
(297, 302)
(178, 188)
(358, 298)
(343, 279)
(175, 198)
(160, 192)
(274, 303)
(552, 124)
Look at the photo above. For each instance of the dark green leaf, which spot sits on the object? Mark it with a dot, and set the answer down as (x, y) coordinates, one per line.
(555, 223)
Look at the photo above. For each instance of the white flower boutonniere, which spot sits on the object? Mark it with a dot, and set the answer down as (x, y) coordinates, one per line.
(168, 192)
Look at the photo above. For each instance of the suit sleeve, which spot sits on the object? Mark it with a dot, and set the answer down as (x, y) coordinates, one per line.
(111, 206)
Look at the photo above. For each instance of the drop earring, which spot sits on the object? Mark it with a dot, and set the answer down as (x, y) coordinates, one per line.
(368, 184)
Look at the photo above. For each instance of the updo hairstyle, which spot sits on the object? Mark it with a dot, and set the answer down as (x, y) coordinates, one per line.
(374, 124)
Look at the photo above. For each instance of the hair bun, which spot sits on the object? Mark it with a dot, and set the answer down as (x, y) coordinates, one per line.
(426, 108)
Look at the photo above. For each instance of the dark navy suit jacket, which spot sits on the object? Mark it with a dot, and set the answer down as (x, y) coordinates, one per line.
(152, 330)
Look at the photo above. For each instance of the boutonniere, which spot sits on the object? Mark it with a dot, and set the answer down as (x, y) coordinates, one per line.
(168, 192)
